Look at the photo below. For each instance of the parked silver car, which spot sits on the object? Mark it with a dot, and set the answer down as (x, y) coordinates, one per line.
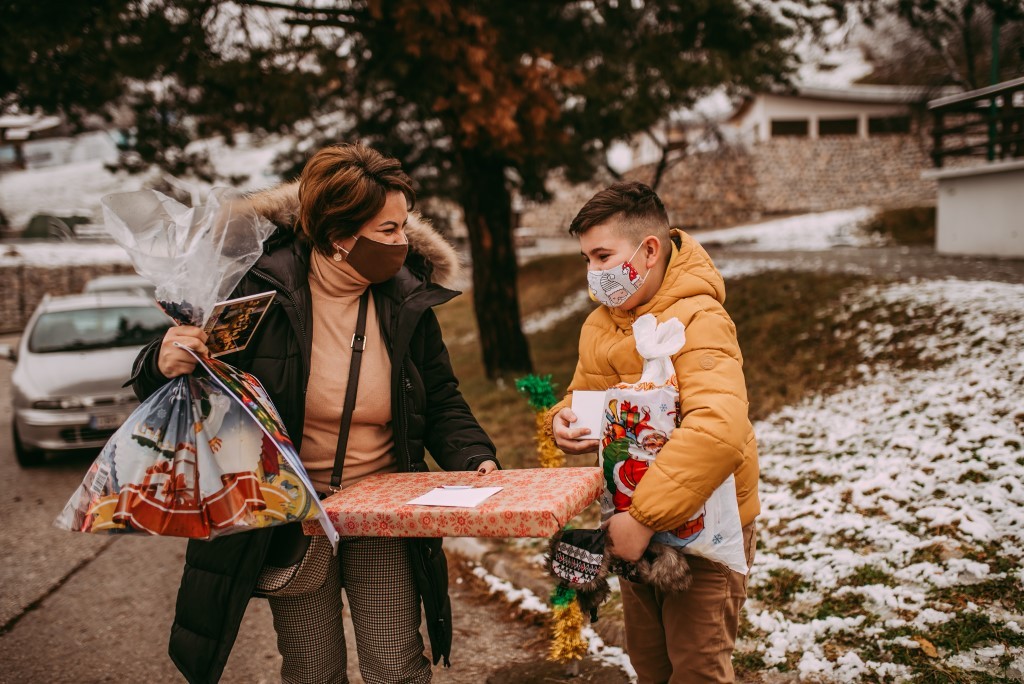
(128, 284)
(74, 356)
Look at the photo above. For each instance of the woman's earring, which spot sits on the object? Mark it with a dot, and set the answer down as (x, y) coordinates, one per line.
(338, 256)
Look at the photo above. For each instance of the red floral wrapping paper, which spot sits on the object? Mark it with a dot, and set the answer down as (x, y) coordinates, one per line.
(534, 502)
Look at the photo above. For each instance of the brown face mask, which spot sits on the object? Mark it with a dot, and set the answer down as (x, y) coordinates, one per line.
(376, 261)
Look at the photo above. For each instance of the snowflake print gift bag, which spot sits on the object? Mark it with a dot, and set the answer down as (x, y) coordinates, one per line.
(638, 421)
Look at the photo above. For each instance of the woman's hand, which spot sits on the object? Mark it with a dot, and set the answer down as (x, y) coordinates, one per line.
(486, 467)
(173, 361)
(569, 439)
(627, 537)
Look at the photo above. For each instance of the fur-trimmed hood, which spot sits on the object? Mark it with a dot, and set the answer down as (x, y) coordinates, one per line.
(280, 205)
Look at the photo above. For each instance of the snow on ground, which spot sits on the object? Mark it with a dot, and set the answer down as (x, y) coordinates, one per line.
(77, 188)
(526, 600)
(740, 267)
(62, 190)
(806, 232)
(573, 304)
(893, 511)
(249, 160)
(892, 530)
(61, 254)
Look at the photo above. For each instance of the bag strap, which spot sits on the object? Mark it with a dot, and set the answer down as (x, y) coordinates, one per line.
(358, 344)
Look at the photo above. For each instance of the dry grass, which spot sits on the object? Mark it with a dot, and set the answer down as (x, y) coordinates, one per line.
(790, 349)
(543, 284)
(912, 226)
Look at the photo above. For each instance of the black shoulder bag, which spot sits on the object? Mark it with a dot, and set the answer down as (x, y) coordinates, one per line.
(289, 568)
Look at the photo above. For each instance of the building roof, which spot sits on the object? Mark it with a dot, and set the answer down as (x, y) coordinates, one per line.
(878, 94)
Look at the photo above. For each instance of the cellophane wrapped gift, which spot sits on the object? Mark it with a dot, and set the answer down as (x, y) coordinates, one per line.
(533, 502)
(638, 421)
(206, 454)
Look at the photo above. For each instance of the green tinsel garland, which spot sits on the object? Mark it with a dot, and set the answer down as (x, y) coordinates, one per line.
(566, 626)
(539, 391)
(562, 596)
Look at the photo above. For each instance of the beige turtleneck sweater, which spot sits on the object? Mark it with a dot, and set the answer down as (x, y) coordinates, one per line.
(336, 288)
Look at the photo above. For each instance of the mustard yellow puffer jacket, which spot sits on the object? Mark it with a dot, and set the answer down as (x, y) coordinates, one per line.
(715, 437)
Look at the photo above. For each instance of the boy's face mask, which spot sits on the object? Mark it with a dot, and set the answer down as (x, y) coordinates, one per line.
(614, 286)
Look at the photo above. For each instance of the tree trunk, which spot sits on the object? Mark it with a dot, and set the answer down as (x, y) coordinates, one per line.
(487, 206)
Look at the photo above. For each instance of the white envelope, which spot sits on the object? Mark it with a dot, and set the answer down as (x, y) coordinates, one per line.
(455, 496)
(588, 405)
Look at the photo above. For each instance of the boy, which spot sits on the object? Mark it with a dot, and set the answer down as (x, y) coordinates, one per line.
(637, 265)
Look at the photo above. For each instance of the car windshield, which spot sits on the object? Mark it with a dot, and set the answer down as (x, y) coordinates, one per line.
(99, 328)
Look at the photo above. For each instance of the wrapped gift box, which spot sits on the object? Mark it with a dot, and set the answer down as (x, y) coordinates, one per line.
(534, 502)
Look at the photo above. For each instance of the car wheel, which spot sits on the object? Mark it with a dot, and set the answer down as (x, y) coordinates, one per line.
(27, 458)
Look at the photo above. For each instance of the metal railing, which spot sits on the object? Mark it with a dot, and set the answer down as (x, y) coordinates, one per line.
(988, 121)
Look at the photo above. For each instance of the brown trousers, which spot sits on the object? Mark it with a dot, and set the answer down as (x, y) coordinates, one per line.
(688, 636)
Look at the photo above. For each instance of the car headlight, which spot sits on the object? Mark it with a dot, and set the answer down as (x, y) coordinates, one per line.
(66, 403)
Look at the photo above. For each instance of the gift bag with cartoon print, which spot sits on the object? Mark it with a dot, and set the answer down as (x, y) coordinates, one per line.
(638, 421)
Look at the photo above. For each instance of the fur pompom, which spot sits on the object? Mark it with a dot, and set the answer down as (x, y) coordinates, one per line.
(662, 567)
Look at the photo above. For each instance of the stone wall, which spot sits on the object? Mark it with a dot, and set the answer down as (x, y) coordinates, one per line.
(706, 190)
(784, 175)
(23, 287)
(795, 175)
(554, 217)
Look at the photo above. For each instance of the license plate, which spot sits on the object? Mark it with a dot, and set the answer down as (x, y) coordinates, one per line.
(107, 422)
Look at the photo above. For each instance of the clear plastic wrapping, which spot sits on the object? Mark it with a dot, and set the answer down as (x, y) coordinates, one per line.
(207, 454)
(195, 256)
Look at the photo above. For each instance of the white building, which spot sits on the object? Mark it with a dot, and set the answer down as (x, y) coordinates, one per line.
(863, 111)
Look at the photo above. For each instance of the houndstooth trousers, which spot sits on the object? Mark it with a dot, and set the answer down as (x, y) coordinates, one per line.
(385, 608)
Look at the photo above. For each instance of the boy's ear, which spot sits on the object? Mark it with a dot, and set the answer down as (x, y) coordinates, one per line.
(652, 250)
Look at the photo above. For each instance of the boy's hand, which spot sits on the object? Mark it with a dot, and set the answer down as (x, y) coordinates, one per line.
(570, 439)
(627, 537)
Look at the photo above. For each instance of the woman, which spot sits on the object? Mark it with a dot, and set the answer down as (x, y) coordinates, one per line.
(344, 230)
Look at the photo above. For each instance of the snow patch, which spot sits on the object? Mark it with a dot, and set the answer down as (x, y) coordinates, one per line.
(859, 484)
(806, 232)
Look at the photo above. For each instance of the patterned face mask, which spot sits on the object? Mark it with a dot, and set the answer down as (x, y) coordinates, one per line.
(614, 286)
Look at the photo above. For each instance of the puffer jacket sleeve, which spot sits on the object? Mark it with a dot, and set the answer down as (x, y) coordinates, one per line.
(708, 445)
(146, 376)
(453, 436)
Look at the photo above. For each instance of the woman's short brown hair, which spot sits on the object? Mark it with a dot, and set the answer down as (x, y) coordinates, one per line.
(344, 186)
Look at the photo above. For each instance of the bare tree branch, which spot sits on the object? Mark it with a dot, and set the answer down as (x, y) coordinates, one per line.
(615, 174)
(314, 23)
(299, 9)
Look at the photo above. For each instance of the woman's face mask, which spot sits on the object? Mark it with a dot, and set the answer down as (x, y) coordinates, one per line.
(614, 286)
(376, 261)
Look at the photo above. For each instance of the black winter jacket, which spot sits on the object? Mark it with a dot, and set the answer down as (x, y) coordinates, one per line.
(429, 413)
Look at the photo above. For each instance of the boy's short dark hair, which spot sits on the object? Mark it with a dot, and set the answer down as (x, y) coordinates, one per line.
(636, 205)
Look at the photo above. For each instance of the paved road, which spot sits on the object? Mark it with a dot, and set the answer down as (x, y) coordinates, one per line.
(83, 608)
